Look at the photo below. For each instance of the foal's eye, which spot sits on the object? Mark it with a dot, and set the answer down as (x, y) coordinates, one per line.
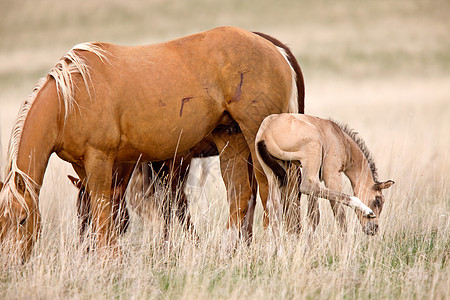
(377, 201)
(22, 222)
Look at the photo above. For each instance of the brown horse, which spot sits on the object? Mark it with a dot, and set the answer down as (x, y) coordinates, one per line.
(104, 105)
(324, 150)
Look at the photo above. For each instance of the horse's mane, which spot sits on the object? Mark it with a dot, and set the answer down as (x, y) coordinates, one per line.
(362, 145)
(13, 150)
(69, 65)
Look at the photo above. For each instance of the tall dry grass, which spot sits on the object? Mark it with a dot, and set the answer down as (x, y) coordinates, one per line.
(382, 67)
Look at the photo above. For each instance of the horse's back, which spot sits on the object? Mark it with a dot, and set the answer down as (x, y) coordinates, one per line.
(215, 60)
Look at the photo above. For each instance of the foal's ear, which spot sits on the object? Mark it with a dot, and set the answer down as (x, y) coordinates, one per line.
(20, 184)
(75, 181)
(383, 185)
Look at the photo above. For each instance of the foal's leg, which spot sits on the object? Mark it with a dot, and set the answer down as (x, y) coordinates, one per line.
(99, 167)
(311, 161)
(313, 187)
(313, 211)
(291, 203)
(333, 180)
(273, 203)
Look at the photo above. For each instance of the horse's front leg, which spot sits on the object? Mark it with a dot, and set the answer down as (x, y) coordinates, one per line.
(99, 169)
(178, 172)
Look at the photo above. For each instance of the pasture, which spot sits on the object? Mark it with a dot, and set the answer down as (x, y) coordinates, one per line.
(382, 67)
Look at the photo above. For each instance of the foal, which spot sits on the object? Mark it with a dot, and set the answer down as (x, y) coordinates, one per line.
(324, 150)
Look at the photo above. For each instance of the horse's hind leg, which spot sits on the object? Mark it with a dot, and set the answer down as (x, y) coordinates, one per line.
(234, 154)
(248, 219)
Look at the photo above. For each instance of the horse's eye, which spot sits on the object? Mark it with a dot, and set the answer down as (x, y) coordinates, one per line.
(22, 222)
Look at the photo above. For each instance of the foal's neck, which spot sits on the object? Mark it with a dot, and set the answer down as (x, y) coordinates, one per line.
(357, 168)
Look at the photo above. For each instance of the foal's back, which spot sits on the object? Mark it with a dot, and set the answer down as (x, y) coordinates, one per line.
(291, 132)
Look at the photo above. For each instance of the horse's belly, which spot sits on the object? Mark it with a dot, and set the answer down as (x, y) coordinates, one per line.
(161, 132)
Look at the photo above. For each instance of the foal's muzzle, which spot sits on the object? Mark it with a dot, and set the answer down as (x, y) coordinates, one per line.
(371, 228)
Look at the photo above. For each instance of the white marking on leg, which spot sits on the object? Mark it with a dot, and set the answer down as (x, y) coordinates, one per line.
(356, 203)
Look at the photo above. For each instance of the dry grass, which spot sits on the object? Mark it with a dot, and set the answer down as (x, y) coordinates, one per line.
(382, 67)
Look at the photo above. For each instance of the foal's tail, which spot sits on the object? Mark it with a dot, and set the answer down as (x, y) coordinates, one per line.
(271, 162)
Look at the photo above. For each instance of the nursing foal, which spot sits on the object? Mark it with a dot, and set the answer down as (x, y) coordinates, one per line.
(324, 149)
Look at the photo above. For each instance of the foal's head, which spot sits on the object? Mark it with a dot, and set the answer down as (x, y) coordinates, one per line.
(19, 217)
(365, 180)
(373, 197)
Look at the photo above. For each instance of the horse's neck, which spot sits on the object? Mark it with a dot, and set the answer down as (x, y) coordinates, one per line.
(39, 133)
(357, 169)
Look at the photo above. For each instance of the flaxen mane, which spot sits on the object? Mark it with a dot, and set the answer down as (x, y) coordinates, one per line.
(362, 145)
(69, 65)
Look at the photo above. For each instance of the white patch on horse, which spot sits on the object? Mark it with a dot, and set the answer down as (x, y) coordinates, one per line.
(293, 102)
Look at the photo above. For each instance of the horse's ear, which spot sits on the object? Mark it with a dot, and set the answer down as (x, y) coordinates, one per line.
(383, 185)
(75, 181)
(20, 183)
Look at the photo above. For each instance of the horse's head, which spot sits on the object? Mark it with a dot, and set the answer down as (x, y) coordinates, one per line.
(372, 196)
(83, 198)
(19, 217)
(120, 212)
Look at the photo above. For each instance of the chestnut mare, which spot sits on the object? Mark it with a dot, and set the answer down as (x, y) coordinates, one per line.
(105, 105)
(324, 150)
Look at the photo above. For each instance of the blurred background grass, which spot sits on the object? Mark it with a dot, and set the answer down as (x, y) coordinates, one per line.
(349, 38)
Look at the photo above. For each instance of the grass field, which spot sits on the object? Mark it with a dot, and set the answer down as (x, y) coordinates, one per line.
(383, 67)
